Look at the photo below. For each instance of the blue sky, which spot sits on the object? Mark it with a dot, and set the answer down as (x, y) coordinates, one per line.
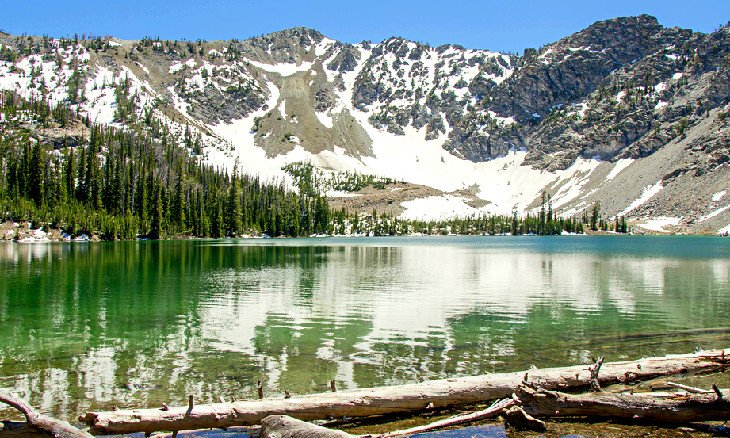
(486, 24)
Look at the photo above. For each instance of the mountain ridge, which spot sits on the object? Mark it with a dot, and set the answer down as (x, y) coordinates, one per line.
(502, 128)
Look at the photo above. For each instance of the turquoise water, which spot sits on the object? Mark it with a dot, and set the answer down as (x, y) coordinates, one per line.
(92, 326)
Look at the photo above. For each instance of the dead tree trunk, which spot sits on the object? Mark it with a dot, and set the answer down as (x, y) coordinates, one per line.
(665, 408)
(395, 399)
(43, 423)
(493, 411)
(283, 426)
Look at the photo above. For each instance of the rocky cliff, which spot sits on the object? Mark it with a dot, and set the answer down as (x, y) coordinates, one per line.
(625, 113)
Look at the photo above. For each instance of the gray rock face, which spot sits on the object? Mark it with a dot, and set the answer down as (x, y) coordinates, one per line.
(345, 60)
(621, 88)
(574, 66)
(286, 46)
(639, 107)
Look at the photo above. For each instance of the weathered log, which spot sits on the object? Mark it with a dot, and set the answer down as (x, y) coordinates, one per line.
(283, 426)
(397, 399)
(493, 411)
(57, 428)
(679, 408)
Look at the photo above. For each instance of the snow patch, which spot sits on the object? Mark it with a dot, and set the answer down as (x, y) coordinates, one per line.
(323, 46)
(717, 196)
(574, 178)
(714, 213)
(620, 165)
(648, 193)
(324, 119)
(503, 120)
(176, 67)
(436, 208)
(659, 223)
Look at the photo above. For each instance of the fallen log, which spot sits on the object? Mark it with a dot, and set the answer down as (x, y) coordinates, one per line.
(497, 409)
(397, 399)
(678, 408)
(43, 423)
(283, 426)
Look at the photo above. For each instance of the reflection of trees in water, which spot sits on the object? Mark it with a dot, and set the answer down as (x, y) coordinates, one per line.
(143, 323)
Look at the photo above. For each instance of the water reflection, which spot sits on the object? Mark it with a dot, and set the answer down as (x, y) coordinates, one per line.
(138, 324)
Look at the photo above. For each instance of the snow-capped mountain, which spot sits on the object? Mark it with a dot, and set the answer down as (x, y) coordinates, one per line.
(626, 113)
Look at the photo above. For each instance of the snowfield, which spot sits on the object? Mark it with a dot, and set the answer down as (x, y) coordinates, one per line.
(659, 224)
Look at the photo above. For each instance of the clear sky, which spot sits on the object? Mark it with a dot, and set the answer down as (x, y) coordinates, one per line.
(486, 24)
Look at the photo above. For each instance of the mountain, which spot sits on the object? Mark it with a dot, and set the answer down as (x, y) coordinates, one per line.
(625, 114)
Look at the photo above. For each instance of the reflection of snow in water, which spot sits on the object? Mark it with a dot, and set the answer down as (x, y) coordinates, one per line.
(410, 293)
(352, 310)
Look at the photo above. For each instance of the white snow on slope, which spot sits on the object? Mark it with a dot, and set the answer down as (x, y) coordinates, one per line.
(717, 196)
(101, 100)
(620, 165)
(724, 231)
(713, 214)
(502, 181)
(660, 223)
(574, 178)
(323, 46)
(648, 193)
(436, 208)
(324, 119)
(251, 159)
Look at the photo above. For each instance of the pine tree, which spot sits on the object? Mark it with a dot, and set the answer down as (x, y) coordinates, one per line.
(36, 167)
(595, 216)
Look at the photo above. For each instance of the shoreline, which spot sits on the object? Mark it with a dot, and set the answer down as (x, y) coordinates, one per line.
(22, 233)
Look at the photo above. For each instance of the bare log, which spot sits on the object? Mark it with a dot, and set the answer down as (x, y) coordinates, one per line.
(396, 399)
(283, 426)
(679, 408)
(57, 428)
(493, 411)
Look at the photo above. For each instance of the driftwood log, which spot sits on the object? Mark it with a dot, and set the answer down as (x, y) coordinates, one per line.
(497, 409)
(283, 426)
(397, 399)
(665, 408)
(42, 423)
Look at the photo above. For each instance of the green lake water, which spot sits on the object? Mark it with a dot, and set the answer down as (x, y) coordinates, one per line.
(92, 326)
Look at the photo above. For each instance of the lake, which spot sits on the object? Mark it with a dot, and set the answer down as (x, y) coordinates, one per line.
(137, 324)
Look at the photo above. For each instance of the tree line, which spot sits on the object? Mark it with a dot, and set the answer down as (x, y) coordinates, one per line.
(124, 184)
